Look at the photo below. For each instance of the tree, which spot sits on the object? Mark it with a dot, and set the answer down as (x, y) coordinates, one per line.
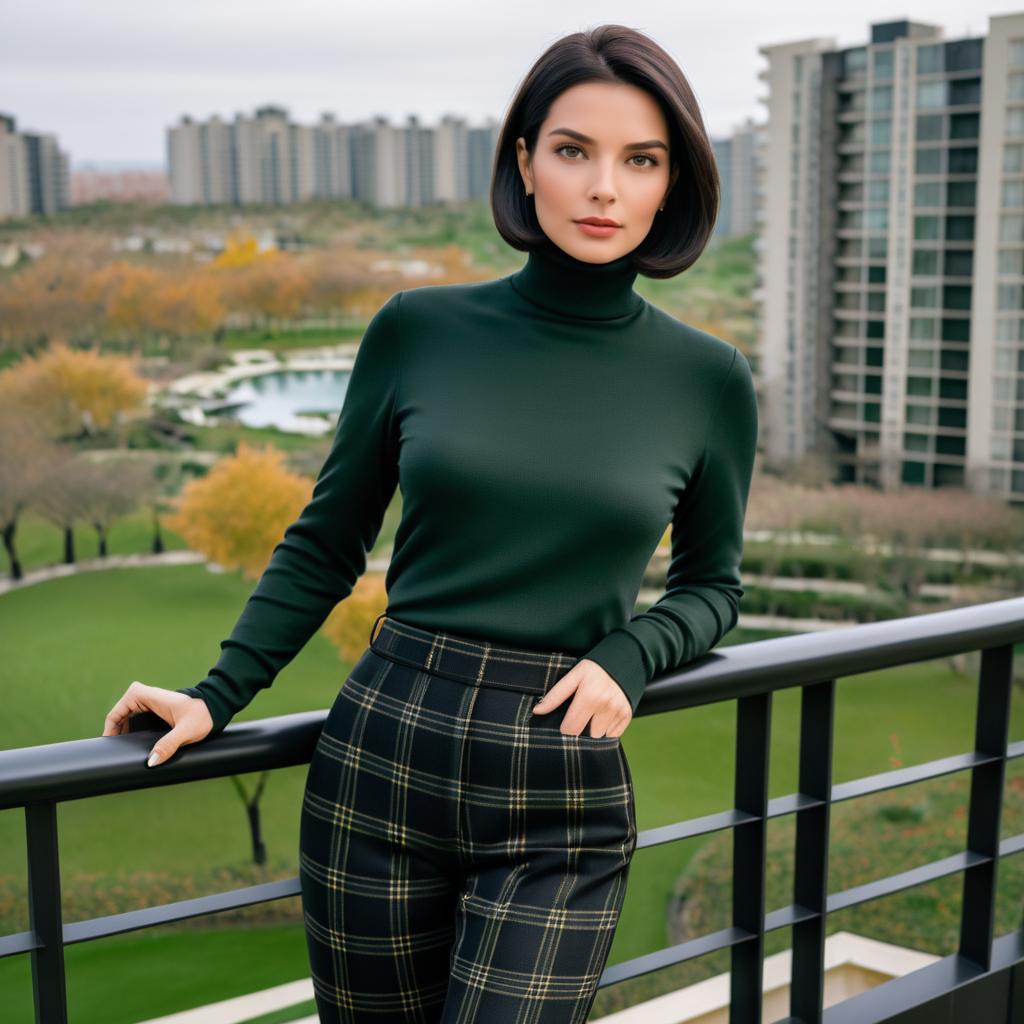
(60, 497)
(73, 392)
(26, 458)
(237, 513)
(348, 625)
(111, 489)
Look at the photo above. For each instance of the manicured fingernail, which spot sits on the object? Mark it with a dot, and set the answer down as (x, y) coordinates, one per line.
(154, 758)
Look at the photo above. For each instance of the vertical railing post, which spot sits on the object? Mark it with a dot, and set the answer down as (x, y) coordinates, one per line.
(44, 913)
(749, 845)
(991, 732)
(810, 878)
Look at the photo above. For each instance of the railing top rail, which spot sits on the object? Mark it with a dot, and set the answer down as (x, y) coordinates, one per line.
(101, 765)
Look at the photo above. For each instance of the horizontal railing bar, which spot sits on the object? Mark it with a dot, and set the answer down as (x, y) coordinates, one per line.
(165, 913)
(660, 958)
(904, 880)
(180, 910)
(679, 830)
(1011, 844)
(111, 764)
(1015, 749)
(790, 804)
(913, 991)
(783, 917)
(909, 775)
(784, 662)
(78, 769)
(18, 942)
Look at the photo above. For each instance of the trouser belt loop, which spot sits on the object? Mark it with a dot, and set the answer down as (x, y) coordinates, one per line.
(375, 628)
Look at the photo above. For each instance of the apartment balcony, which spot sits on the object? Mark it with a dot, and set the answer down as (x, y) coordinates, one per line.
(980, 982)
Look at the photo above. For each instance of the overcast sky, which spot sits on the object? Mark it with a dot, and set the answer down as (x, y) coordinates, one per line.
(109, 76)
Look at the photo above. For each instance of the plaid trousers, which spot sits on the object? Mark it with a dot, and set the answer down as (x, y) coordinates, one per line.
(461, 859)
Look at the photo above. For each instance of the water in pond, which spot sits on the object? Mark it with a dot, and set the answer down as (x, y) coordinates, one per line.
(275, 399)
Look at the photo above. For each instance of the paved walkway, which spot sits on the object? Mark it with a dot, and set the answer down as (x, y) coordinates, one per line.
(54, 572)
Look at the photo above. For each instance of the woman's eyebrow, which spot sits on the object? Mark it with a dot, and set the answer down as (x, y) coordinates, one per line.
(580, 137)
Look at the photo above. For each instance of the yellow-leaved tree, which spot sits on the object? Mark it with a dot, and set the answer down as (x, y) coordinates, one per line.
(237, 513)
(71, 391)
(348, 626)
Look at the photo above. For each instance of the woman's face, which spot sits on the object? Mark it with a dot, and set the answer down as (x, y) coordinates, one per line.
(586, 164)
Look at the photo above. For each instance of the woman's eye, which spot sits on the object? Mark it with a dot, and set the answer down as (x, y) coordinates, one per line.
(651, 162)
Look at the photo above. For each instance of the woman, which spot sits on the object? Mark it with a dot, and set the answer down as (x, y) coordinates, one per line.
(465, 845)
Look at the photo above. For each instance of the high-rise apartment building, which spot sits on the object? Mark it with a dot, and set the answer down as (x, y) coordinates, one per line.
(269, 159)
(891, 256)
(737, 157)
(34, 172)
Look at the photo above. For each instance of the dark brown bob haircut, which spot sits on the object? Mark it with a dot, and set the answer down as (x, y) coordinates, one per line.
(622, 55)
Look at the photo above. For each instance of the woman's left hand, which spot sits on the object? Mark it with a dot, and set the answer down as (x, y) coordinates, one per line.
(599, 700)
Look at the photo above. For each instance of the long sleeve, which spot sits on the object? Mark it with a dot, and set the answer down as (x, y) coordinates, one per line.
(324, 552)
(701, 601)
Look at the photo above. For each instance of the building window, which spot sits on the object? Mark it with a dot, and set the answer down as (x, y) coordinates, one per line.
(960, 228)
(1013, 158)
(1013, 193)
(881, 132)
(928, 161)
(926, 227)
(1011, 227)
(1015, 53)
(958, 263)
(878, 220)
(924, 297)
(879, 161)
(925, 263)
(1014, 122)
(929, 59)
(930, 127)
(1011, 262)
(881, 98)
(1008, 296)
(878, 191)
(933, 94)
(924, 328)
(964, 126)
(963, 160)
(961, 193)
(855, 61)
(928, 193)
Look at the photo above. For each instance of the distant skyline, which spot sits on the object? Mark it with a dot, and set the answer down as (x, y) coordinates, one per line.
(108, 78)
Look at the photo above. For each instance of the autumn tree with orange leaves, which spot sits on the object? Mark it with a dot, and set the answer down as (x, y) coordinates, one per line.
(71, 392)
(237, 514)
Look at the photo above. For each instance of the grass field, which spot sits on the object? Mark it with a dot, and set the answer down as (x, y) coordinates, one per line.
(72, 646)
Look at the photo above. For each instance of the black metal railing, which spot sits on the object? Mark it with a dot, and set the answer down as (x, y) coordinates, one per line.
(985, 976)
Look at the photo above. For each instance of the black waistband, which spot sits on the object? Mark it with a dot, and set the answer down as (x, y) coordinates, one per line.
(479, 662)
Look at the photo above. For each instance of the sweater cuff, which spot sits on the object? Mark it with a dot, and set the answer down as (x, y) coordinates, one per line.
(219, 711)
(622, 657)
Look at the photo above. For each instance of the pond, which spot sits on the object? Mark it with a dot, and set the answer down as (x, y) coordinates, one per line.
(298, 401)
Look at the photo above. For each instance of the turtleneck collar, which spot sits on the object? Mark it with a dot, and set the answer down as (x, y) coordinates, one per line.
(560, 283)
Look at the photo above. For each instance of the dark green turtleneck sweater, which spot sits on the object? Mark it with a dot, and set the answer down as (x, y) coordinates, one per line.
(544, 429)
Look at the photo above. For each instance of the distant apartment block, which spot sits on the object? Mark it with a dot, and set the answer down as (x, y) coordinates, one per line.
(269, 159)
(738, 159)
(891, 256)
(33, 172)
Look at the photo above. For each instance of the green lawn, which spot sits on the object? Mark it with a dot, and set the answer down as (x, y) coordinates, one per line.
(71, 646)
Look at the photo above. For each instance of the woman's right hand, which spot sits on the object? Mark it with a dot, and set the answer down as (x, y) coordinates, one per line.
(189, 717)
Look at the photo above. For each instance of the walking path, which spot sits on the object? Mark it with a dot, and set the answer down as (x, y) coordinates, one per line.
(53, 572)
